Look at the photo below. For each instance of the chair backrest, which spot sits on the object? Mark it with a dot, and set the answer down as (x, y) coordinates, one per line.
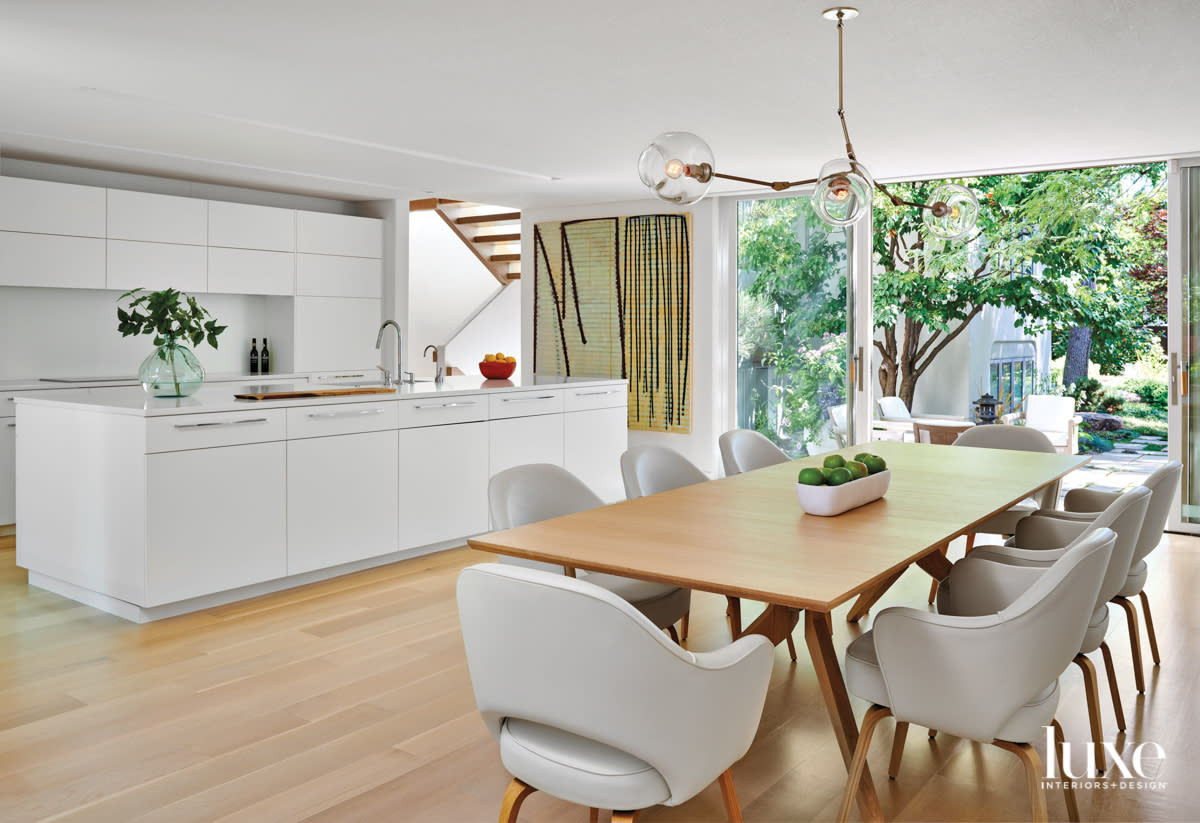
(941, 434)
(987, 668)
(1013, 438)
(653, 469)
(1162, 485)
(837, 416)
(533, 492)
(743, 450)
(570, 655)
(1049, 412)
(893, 407)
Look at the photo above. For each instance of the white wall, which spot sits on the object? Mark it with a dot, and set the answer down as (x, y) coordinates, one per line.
(495, 329)
(711, 290)
(446, 283)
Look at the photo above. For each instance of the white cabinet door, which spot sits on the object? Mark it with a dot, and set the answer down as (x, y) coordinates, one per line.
(8, 470)
(443, 483)
(320, 233)
(51, 261)
(51, 208)
(518, 440)
(334, 333)
(245, 271)
(157, 218)
(593, 442)
(157, 266)
(215, 520)
(242, 226)
(342, 493)
(325, 275)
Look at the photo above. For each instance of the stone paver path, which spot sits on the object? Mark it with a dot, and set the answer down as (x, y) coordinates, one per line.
(1115, 471)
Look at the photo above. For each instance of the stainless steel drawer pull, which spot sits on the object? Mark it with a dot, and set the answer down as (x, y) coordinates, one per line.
(448, 405)
(594, 393)
(357, 413)
(528, 399)
(12, 425)
(220, 423)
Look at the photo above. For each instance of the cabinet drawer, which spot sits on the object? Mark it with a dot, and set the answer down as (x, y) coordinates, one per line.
(8, 405)
(434, 411)
(596, 397)
(523, 404)
(203, 431)
(133, 264)
(342, 418)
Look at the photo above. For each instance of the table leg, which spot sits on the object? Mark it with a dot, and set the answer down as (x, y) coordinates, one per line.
(818, 633)
(775, 623)
(869, 598)
(936, 564)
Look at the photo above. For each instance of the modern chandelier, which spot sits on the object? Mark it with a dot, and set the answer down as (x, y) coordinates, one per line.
(678, 167)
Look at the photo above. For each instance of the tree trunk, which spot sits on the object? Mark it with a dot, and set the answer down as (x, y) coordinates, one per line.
(1079, 350)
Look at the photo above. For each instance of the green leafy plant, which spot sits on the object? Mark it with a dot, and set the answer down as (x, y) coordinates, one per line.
(1087, 392)
(169, 314)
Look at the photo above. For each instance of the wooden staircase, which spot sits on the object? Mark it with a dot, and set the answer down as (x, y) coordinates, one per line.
(492, 233)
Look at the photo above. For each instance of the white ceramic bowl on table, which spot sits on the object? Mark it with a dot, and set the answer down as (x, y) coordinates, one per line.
(830, 500)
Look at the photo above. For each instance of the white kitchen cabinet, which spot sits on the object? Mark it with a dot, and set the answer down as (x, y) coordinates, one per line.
(51, 261)
(322, 275)
(8, 474)
(244, 226)
(321, 233)
(51, 208)
(215, 520)
(443, 483)
(593, 442)
(518, 440)
(342, 492)
(155, 266)
(336, 333)
(248, 271)
(157, 218)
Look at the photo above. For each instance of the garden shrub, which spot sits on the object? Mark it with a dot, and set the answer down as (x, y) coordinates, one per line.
(1089, 442)
(1111, 403)
(1087, 392)
(1151, 392)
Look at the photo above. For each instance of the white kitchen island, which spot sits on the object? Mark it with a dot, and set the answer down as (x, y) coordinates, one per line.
(152, 507)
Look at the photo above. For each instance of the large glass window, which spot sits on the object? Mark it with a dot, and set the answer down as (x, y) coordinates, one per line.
(1014, 372)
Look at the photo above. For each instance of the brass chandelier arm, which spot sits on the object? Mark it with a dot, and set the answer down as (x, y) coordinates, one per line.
(778, 185)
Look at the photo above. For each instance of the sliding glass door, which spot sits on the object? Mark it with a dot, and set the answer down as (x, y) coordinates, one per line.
(794, 329)
(1183, 249)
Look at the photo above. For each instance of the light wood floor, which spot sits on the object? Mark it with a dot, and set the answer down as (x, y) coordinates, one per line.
(349, 700)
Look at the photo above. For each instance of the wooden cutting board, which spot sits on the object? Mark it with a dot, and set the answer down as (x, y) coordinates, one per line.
(288, 395)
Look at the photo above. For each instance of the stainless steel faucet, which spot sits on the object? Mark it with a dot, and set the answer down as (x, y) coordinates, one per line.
(387, 375)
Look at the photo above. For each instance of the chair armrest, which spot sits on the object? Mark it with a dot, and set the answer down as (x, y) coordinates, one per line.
(990, 578)
(1048, 529)
(1011, 417)
(1088, 500)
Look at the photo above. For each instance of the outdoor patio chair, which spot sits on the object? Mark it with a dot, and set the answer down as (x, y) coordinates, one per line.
(1054, 417)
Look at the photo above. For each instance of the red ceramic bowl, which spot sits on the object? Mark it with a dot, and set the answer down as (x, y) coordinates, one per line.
(496, 370)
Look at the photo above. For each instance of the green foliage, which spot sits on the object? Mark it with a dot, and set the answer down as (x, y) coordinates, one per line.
(167, 314)
(1092, 442)
(1154, 428)
(1087, 393)
(1151, 392)
(1111, 403)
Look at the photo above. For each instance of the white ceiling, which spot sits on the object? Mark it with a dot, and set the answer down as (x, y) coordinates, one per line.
(534, 102)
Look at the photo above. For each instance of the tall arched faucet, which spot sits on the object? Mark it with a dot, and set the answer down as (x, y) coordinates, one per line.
(387, 375)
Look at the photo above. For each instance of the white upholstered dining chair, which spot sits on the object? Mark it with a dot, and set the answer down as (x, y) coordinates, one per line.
(650, 470)
(743, 450)
(591, 704)
(991, 577)
(991, 678)
(540, 491)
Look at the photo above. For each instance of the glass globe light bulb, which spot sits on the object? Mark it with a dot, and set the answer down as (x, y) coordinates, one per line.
(843, 193)
(954, 210)
(677, 167)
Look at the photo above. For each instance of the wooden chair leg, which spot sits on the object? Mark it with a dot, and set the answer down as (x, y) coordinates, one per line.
(897, 749)
(1135, 641)
(870, 721)
(1068, 789)
(625, 817)
(514, 796)
(687, 618)
(1091, 690)
(733, 811)
(1033, 776)
(674, 635)
(734, 612)
(1150, 627)
(593, 815)
(933, 734)
(970, 541)
(791, 647)
(933, 587)
(1112, 686)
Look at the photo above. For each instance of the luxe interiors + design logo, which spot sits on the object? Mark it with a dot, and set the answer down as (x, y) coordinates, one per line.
(1134, 769)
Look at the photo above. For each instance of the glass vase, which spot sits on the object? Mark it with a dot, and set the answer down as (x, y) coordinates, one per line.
(171, 370)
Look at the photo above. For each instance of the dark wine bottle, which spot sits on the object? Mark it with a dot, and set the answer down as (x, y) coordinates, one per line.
(254, 354)
(264, 359)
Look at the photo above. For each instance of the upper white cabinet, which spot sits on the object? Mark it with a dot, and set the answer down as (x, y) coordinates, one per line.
(51, 261)
(248, 271)
(323, 275)
(319, 233)
(133, 265)
(335, 333)
(242, 226)
(159, 218)
(51, 208)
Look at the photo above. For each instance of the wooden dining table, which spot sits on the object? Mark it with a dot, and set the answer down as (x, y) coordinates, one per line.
(746, 536)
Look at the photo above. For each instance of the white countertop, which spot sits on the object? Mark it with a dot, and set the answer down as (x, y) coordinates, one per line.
(218, 397)
(37, 383)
